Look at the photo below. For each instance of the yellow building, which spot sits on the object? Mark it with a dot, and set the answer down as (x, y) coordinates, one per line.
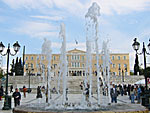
(119, 63)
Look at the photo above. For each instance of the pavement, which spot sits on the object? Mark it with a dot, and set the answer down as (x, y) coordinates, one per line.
(31, 98)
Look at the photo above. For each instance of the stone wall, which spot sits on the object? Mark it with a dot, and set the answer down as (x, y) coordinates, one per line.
(73, 82)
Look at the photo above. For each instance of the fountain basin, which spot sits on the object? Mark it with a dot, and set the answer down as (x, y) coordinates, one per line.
(113, 108)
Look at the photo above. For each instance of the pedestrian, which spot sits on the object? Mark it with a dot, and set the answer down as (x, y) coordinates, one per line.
(24, 91)
(138, 94)
(17, 97)
(87, 94)
(1, 92)
(11, 88)
(132, 94)
(114, 94)
(39, 94)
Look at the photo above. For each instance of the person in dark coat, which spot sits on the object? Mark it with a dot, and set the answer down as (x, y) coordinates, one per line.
(17, 97)
(114, 94)
(39, 94)
(11, 88)
(1, 92)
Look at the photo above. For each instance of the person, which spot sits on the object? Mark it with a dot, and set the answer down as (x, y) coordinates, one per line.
(132, 94)
(17, 97)
(24, 91)
(139, 94)
(39, 94)
(81, 85)
(11, 88)
(87, 94)
(1, 92)
(114, 94)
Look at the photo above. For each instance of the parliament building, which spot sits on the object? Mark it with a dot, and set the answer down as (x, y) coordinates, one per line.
(76, 61)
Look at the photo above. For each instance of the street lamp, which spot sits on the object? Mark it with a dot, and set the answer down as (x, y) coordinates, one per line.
(29, 69)
(136, 46)
(122, 76)
(145, 95)
(16, 47)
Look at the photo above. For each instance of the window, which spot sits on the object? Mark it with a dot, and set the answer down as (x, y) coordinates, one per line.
(78, 64)
(75, 64)
(113, 57)
(78, 57)
(31, 65)
(75, 57)
(26, 58)
(72, 64)
(32, 58)
(82, 65)
(82, 57)
(72, 57)
(125, 65)
(118, 57)
(119, 65)
(113, 65)
(54, 57)
(124, 57)
(26, 65)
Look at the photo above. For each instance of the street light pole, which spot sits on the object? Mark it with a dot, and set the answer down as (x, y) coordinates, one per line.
(146, 93)
(122, 76)
(16, 47)
(136, 46)
(144, 52)
(29, 69)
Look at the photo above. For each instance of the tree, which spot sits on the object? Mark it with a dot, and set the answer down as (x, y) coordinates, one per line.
(17, 67)
(1, 73)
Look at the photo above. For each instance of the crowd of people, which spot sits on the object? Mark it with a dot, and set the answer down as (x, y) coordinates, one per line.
(133, 91)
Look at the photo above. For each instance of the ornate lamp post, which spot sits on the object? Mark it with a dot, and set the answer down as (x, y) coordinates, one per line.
(146, 94)
(122, 75)
(16, 47)
(29, 69)
(136, 46)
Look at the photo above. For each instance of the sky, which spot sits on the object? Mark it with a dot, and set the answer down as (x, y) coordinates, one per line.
(30, 21)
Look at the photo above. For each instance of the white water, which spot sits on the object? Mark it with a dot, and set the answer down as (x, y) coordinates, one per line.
(64, 61)
(46, 51)
(92, 33)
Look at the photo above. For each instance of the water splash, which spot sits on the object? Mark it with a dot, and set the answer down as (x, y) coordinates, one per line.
(92, 33)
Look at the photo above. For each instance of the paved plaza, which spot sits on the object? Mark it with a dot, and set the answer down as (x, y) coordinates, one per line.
(31, 98)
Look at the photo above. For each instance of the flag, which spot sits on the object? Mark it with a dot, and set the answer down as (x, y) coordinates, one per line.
(76, 41)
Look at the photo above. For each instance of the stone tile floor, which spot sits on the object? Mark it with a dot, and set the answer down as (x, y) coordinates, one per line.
(31, 98)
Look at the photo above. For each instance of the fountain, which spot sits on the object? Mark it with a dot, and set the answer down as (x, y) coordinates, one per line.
(60, 101)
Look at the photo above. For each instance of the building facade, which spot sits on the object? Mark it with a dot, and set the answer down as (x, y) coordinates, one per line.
(76, 60)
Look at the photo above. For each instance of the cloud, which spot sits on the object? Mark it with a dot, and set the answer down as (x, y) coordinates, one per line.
(122, 6)
(75, 6)
(53, 18)
(37, 29)
(29, 4)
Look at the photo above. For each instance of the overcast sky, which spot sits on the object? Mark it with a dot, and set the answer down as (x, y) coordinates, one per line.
(29, 21)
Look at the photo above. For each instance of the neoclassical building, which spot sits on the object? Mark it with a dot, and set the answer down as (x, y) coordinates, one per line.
(76, 59)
